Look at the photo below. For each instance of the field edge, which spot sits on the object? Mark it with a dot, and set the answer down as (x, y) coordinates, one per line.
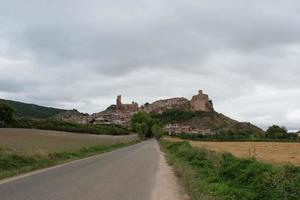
(28, 164)
(208, 175)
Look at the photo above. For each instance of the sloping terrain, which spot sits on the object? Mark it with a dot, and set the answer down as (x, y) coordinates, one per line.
(205, 120)
(32, 110)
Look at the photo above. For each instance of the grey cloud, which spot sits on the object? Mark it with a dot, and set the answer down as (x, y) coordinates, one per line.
(13, 86)
(82, 53)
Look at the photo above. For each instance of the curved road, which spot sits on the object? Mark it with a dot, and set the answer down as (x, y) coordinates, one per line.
(124, 174)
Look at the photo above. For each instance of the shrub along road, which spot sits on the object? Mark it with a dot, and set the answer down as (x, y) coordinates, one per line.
(127, 174)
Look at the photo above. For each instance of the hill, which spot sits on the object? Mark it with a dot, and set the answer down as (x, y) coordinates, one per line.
(26, 110)
(206, 122)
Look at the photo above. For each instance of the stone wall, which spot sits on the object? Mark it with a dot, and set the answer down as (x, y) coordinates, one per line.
(165, 104)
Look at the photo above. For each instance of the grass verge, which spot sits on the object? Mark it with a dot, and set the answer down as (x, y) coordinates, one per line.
(210, 175)
(13, 164)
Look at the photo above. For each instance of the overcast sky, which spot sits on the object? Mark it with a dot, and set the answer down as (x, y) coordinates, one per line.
(82, 53)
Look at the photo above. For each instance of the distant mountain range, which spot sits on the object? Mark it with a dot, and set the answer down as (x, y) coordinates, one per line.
(32, 110)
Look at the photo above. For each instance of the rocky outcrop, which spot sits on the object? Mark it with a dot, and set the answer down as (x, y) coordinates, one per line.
(74, 116)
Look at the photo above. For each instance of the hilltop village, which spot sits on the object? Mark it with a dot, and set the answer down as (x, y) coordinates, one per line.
(121, 113)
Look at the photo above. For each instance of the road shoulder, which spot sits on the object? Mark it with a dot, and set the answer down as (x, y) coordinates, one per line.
(167, 185)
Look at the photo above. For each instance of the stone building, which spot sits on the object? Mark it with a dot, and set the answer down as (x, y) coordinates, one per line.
(116, 114)
(133, 107)
(122, 113)
(199, 102)
(176, 128)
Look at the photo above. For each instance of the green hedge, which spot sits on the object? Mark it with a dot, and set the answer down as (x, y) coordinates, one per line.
(52, 124)
(225, 177)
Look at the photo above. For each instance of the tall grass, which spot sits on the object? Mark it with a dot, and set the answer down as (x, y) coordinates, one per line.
(222, 176)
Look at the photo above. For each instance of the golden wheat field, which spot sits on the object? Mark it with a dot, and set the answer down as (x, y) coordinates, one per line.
(272, 152)
(32, 141)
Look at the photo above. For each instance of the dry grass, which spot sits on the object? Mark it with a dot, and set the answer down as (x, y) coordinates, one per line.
(273, 152)
(32, 142)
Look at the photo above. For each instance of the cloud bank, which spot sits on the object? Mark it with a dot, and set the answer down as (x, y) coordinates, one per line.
(81, 54)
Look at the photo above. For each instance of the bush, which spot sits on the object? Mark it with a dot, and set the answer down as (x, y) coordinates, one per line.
(157, 131)
(277, 132)
(227, 177)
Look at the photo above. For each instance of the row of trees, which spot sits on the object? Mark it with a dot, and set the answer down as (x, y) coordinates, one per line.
(146, 126)
(277, 132)
(274, 132)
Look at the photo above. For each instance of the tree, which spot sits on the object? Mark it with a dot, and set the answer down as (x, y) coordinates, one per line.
(141, 123)
(6, 113)
(158, 131)
(146, 126)
(276, 132)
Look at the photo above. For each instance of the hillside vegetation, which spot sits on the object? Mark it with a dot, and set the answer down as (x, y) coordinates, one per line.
(26, 110)
(58, 125)
(216, 122)
(8, 120)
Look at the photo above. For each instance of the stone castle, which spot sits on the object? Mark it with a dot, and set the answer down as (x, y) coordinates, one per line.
(121, 114)
(199, 102)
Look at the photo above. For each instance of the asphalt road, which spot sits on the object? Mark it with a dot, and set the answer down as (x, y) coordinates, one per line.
(124, 174)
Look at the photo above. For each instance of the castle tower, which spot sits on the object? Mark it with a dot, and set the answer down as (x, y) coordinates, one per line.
(119, 102)
(201, 102)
